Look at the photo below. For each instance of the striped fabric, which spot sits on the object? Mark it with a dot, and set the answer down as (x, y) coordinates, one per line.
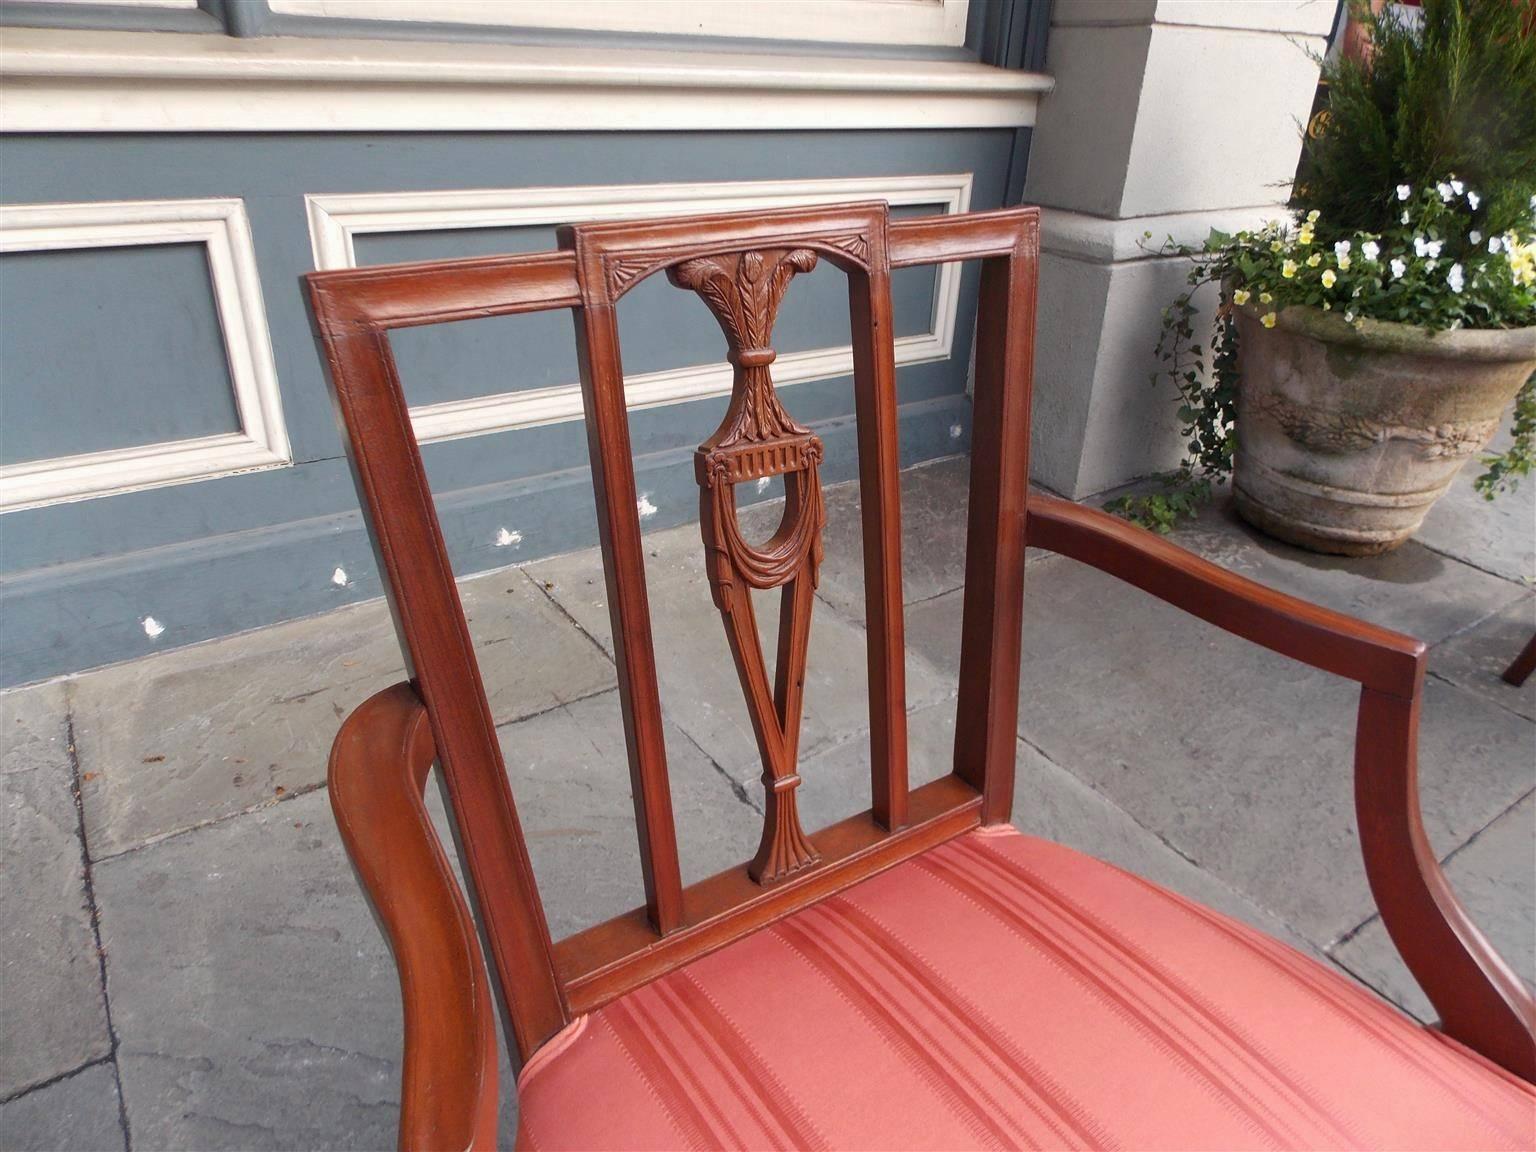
(1004, 992)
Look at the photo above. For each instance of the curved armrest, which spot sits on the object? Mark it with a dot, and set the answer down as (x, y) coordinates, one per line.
(1375, 657)
(378, 770)
(1481, 1001)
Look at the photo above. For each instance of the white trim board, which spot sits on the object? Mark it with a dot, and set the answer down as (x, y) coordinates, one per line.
(932, 22)
(221, 226)
(335, 220)
(67, 80)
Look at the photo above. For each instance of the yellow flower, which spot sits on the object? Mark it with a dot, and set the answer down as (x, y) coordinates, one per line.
(1522, 260)
(1268, 319)
(1329, 276)
(1275, 245)
(1312, 216)
(1240, 296)
(1288, 269)
(1314, 260)
(1305, 235)
(1266, 298)
(1344, 263)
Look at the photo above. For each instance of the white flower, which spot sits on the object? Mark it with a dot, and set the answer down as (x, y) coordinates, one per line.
(1405, 216)
(1430, 248)
(1341, 250)
(1454, 278)
(1447, 193)
(1493, 245)
(1457, 186)
(1399, 266)
(1370, 249)
(1473, 200)
(1349, 317)
(1475, 236)
(1403, 192)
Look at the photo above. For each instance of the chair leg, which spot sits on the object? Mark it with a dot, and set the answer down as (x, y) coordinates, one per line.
(1523, 664)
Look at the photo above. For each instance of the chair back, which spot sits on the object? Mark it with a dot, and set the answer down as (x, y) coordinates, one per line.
(741, 265)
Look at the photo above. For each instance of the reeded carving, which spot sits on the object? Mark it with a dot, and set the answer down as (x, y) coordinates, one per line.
(855, 246)
(758, 438)
(624, 270)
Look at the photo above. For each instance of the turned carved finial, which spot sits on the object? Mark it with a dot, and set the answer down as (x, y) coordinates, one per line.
(757, 438)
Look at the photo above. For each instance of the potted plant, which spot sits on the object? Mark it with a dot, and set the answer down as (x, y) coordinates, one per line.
(1368, 347)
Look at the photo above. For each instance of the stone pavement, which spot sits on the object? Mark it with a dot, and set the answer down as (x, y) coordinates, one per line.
(188, 963)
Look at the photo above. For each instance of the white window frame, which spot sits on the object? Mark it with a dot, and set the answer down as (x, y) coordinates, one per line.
(336, 220)
(222, 227)
(939, 23)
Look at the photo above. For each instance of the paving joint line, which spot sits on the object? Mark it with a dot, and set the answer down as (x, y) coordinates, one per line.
(88, 882)
(57, 1078)
(547, 591)
(1174, 848)
(1476, 836)
(1523, 581)
(1472, 625)
(308, 789)
(1345, 937)
(176, 834)
(1431, 674)
(738, 789)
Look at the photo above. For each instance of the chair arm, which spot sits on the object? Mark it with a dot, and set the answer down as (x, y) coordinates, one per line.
(1375, 657)
(378, 771)
(1481, 1001)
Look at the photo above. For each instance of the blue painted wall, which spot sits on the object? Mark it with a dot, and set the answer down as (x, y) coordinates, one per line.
(101, 353)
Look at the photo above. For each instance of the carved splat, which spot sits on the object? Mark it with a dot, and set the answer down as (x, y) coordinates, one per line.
(758, 438)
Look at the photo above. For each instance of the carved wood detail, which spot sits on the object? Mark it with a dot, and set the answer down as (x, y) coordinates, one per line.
(758, 438)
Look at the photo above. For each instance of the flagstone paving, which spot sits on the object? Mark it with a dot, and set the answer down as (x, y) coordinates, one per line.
(188, 962)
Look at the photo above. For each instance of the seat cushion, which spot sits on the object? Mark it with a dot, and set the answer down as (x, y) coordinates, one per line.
(1001, 991)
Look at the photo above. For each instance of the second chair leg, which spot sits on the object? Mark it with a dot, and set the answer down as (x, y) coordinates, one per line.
(1523, 664)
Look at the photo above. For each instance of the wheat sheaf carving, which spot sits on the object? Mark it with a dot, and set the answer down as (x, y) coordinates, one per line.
(756, 439)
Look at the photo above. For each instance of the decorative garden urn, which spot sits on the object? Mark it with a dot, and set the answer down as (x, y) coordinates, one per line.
(1347, 433)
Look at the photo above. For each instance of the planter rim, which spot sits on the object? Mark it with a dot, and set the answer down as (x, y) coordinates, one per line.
(1488, 344)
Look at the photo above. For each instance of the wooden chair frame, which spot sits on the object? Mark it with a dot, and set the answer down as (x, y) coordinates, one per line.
(383, 754)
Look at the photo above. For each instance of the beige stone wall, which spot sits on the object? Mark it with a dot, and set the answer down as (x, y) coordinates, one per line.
(1169, 117)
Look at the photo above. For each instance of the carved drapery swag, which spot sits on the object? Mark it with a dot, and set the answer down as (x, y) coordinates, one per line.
(758, 439)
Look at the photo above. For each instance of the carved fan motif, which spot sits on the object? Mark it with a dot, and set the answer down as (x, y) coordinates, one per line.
(758, 438)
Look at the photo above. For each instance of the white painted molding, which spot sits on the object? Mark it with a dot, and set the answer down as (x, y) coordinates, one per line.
(1101, 240)
(335, 221)
(182, 4)
(67, 80)
(222, 227)
(936, 22)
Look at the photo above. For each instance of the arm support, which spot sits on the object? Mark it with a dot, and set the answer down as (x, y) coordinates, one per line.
(1481, 1002)
(378, 770)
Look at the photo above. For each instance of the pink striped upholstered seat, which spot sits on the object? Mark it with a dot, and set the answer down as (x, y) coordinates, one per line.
(1000, 991)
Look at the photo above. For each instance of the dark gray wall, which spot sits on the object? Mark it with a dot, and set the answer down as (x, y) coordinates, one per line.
(207, 558)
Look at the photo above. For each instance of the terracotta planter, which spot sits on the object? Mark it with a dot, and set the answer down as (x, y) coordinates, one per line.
(1347, 436)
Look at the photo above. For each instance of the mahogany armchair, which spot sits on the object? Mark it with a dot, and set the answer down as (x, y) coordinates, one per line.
(920, 974)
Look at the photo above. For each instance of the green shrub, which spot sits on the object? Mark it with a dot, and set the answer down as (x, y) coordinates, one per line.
(1455, 95)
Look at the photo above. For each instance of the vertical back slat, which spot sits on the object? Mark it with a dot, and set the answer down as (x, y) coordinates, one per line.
(618, 524)
(991, 631)
(419, 582)
(874, 385)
